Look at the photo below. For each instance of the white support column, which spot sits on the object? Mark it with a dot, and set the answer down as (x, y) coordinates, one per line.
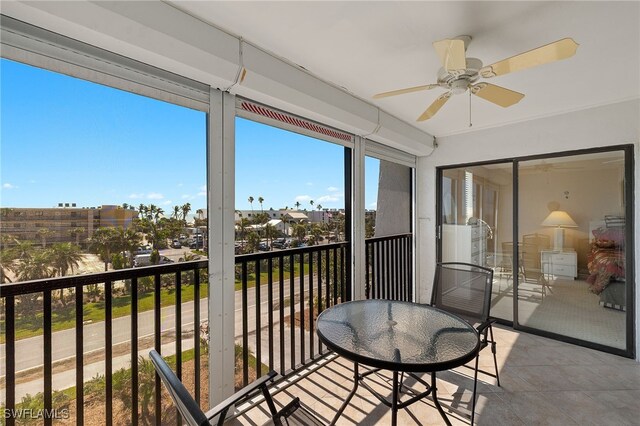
(359, 262)
(221, 202)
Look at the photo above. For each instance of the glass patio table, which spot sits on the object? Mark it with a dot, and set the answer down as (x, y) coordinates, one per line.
(401, 337)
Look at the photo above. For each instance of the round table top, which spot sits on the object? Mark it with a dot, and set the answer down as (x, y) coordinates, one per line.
(398, 336)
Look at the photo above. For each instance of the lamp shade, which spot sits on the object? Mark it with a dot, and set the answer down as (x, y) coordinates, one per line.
(558, 218)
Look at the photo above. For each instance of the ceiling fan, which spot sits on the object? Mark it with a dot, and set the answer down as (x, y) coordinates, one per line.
(459, 73)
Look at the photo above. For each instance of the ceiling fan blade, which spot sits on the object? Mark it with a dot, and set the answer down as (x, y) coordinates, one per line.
(403, 91)
(561, 49)
(451, 53)
(435, 107)
(496, 94)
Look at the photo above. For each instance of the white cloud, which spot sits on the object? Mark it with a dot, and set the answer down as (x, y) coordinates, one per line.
(373, 206)
(185, 196)
(180, 185)
(328, 199)
(166, 203)
(333, 189)
(136, 195)
(309, 183)
(8, 186)
(302, 198)
(155, 196)
(203, 188)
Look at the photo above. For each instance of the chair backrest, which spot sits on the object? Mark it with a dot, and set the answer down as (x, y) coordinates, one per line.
(464, 289)
(187, 406)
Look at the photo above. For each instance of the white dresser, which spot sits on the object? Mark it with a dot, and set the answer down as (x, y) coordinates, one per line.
(464, 243)
(562, 264)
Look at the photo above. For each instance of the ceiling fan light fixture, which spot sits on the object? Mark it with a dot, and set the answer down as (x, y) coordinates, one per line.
(459, 86)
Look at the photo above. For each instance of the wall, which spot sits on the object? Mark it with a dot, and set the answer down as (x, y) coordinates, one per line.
(393, 208)
(607, 125)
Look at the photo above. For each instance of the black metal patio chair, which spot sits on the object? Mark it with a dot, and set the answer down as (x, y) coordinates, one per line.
(291, 414)
(465, 290)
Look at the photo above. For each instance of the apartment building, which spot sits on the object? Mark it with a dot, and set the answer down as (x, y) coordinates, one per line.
(64, 223)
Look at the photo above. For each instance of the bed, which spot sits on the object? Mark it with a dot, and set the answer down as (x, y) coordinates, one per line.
(606, 265)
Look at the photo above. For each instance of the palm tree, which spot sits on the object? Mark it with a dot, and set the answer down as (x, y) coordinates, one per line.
(176, 212)
(44, 233)
(36, 267)
(186, 208)
(142, 210)
(251, 202)
(270, 232)
(65, 257)
(125, 206)
(244, 223)
(261, 200)
(76, 232)
(297, 205)
(319, 207)
(7, 256)
(103, 243)
(311, 202)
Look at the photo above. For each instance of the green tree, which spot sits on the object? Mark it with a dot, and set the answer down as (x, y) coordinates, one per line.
(64, 257)
(36, 266)
(270, 233)
(251, 202)
(104, 242)
(44, 233)
(319, 207)
(300, 231)
(311, 203)
(253, 241)
(76, 233)
(186, 208)
(261, 200)
(297, 205)
(176, 212)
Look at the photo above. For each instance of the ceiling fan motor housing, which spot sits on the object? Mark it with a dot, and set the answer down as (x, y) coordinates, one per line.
(459, 81)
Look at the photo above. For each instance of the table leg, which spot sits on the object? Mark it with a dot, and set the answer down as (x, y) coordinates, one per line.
(435, 400)
(356, 376)
(394, 400)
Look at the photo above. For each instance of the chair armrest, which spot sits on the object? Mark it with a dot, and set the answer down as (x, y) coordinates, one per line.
(258, 385)
(484, 325)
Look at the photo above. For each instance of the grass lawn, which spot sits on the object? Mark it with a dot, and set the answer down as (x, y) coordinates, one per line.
(64, 317)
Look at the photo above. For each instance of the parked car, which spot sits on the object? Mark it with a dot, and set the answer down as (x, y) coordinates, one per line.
(143, 250)
(145, 260)
(176, 244)
(280, 243)
(264, 247)
(196, 244)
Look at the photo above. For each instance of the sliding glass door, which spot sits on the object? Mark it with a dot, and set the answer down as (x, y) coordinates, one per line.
(571, 247)
(557, 234)
(476, 223)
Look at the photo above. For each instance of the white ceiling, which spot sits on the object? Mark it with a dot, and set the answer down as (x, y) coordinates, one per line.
(371, 47)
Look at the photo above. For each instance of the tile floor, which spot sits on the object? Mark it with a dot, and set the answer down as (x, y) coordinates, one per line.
(544, 382)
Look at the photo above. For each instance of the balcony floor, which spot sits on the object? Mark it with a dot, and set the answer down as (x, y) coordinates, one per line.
(543, 382)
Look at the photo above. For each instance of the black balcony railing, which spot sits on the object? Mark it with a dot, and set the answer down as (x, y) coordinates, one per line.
(32, 298)
(389, 267)
(279, 295)
(300, 283)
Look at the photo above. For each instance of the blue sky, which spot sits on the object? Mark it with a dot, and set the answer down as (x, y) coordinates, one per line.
(67, 140)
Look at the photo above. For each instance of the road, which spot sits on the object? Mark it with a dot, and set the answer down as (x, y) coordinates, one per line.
(29, 352)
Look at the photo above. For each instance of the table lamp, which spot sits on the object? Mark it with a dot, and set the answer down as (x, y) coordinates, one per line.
(559, 220)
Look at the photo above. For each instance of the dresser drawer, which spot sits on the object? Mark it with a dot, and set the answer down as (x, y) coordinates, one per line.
(563, 270)
(563, 259)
